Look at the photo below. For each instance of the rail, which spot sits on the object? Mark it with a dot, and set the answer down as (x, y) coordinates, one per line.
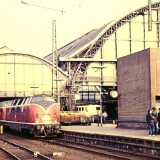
(14, 151)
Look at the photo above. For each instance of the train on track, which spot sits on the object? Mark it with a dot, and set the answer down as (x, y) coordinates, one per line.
(83, 115)
(90, 111)
(38, 115)
(74, 118)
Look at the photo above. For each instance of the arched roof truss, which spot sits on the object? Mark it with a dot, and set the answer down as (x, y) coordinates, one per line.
(24, 75)
(110, 30)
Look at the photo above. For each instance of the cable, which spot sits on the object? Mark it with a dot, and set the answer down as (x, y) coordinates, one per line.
(44, 7)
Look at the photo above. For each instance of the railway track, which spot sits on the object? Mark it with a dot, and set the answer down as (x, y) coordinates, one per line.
(90, 149)
(110, 146)
(76, 145)
(50, 149)
(19, 152)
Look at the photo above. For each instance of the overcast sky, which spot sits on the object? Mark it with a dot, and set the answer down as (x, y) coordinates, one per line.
(27, 28)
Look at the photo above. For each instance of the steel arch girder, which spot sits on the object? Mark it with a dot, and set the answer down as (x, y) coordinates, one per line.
(80, 67)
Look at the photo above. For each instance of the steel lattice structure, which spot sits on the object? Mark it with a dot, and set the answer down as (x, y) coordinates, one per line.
(126, 35)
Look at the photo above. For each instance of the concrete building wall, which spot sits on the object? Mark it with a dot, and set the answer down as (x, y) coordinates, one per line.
(136, 87)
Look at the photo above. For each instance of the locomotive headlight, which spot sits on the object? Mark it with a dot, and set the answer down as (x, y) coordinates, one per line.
(38, 127)
(49, 126)
(46, 119)
(55, 118)
(57, 127)
(42, 127)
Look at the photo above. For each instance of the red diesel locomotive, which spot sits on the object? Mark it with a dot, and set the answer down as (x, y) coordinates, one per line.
(37, 115)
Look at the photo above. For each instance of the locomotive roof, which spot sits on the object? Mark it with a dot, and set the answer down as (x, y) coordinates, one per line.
(22, 101)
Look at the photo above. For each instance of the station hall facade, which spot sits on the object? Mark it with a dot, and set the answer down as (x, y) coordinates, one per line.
(85, 70)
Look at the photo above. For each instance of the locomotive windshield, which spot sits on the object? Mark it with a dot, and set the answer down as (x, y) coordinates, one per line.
(43, 100)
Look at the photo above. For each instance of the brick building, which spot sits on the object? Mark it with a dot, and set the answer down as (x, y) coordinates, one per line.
(138, 77)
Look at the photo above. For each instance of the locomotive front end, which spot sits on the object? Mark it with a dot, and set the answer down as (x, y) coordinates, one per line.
(47, 117)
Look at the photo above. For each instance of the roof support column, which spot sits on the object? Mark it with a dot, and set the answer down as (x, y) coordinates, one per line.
(69, 85)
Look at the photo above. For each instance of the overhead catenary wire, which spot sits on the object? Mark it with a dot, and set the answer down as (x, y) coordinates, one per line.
(57, 10)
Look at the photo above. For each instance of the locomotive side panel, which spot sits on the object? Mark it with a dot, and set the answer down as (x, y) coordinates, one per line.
(10, 114)
(19, 114)
(2, 113)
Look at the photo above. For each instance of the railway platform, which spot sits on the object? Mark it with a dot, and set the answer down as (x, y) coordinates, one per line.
(111, 129)
(131, 141)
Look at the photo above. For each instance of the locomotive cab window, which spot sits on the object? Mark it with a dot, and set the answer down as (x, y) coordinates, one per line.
(37, 99)
(50, 99)
(43, 100)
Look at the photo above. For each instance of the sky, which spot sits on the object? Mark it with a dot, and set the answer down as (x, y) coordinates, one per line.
(27, 27)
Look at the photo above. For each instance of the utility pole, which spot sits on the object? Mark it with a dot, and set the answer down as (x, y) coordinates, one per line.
(53, 52)
(149, 15)
(54, 48)
(54, 59)
(100, 68)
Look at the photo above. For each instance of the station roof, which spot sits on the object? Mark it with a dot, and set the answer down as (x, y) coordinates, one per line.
(72, 49)
(69, 50)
